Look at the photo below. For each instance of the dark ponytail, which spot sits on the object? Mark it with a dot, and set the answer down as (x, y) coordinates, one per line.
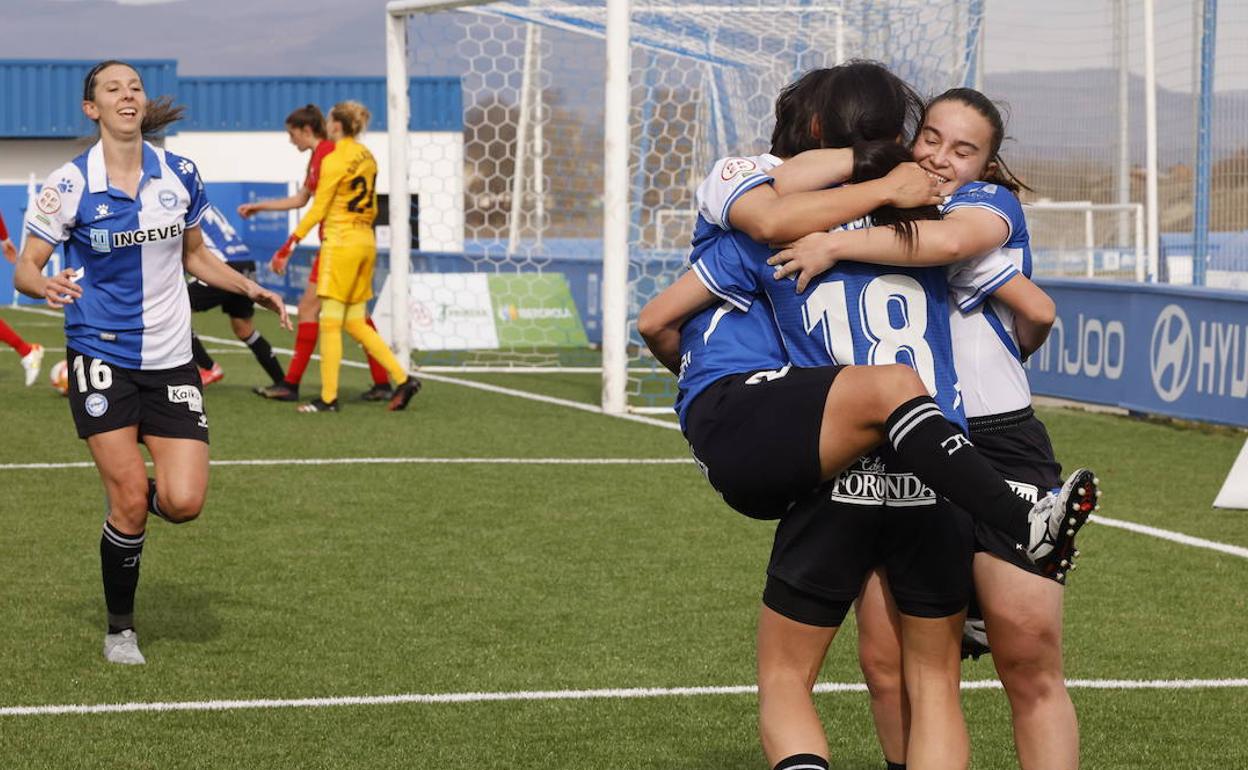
(157, 115)
(873, 160)
(1000, 173)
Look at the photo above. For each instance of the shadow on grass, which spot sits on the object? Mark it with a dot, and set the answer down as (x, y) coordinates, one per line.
(164, 610)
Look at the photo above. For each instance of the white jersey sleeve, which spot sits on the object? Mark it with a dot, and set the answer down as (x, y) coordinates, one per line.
(54, 211)
(972, 281)
(730, 178)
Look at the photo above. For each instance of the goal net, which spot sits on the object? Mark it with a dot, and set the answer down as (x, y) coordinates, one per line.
(508, 267)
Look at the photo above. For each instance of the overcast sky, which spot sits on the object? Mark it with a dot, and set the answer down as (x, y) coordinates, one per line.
(346, 37)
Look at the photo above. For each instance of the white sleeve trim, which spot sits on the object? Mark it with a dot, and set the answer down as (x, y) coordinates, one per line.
(983, 291)
(740, 301)
(1009, 223)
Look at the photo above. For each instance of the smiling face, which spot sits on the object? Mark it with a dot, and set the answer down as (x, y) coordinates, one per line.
(117, 101)
(954, 144)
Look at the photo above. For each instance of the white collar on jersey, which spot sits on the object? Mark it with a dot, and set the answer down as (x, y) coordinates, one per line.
(97, 174)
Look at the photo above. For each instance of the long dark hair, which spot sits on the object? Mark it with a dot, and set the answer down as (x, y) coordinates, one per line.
(308, 116)
(873, 160)
(859, 101)
(998, 173)
(157, 115)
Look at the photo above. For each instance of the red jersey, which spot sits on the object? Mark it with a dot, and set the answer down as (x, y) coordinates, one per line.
(323, 148)
(4, 231)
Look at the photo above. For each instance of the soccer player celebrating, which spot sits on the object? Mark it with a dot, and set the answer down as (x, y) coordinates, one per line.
(346, 202)
(31, 355)
(306, 128)
(128, 214)
(993, 332)
(222, 240)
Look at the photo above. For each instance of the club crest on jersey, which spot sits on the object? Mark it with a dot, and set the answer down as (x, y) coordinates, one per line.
(151, 234)
(187, 394)
(738, 167)
(168, 199)
(96, 404)
(100, 240)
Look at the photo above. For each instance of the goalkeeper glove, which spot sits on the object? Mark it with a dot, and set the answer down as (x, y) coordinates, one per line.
(280, 257)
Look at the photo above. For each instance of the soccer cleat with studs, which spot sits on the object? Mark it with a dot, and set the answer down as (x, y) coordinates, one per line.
(317, 405)
(279, 392)
(377, 393)
(1056, 520)
(123, 648)
(31, 362)
(403, 393)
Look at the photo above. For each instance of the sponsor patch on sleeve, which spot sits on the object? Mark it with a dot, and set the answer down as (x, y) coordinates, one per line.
(49, 201)
(738, 168)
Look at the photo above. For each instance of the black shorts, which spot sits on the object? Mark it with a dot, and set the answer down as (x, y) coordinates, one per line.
(205, 297)
(872, 515)
(756, 435)
(1018, 446)
(162, 402)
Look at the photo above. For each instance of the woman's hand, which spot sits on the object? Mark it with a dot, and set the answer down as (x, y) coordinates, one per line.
(908, 186)
(245, 210)
(10, 251)
(270, 301)
(62, 289)
(808, 257)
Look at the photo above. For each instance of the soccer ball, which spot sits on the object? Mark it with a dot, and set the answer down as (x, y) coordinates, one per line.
(59, 377)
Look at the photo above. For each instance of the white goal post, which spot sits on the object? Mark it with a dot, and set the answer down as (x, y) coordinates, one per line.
(587, 126)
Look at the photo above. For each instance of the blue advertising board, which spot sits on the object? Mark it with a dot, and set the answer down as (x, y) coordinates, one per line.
(1167, 350)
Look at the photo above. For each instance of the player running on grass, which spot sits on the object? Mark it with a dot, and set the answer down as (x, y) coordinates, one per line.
(346, 201)
(222, 240)
(30, 354)
(128, 214)
(993, 332)
(306, 128)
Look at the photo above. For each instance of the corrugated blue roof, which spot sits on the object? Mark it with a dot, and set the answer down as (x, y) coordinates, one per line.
(40, 98)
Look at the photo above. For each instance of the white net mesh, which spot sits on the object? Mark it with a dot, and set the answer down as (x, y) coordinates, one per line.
(1074, 79)
(704, 77)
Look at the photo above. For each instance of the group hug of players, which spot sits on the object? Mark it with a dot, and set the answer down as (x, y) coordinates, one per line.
(848, 344)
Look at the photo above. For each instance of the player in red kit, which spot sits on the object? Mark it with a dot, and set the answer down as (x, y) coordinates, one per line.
(31, 355)
(306, 128)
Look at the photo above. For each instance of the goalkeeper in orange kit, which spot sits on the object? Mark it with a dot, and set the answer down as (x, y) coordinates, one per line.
(346, 202)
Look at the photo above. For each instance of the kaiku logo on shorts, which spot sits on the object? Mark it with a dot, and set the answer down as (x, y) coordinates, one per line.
(96, 404)
(870, 483)
(187, 394)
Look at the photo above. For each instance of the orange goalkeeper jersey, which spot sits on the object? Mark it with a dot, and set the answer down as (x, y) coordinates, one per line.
(346, 194)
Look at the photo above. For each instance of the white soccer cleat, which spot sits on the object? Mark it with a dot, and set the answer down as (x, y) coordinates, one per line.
(32, 362)
(123, 648)
(1056, 519)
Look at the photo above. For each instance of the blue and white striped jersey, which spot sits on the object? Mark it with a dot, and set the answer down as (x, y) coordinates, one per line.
(856, 313)
(221, 238)
(134, 312)
(985, 346)
(721, 340)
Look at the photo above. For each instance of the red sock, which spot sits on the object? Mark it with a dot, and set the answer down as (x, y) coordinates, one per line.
(305, 344)
(380, 375)
(14, 339)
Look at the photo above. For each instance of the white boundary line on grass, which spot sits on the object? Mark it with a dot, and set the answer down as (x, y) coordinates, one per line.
(393, 461)
(1176, 537)
(548, 695)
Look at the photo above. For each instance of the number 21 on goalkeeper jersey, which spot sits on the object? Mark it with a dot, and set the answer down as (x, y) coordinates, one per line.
(855, 313)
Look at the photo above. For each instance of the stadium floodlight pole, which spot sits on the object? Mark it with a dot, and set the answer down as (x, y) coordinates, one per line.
(615, 211)
(1150, 140)
(400, 216)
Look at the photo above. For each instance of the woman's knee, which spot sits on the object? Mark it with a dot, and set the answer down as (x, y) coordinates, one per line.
(882, 672)
(127, 504)
(180, 505)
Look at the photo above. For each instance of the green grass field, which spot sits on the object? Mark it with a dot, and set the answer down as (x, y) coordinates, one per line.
(353, 580)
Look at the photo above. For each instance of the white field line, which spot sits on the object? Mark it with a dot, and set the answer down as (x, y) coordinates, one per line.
(394, 461)
(554, 695)
(1176, 537)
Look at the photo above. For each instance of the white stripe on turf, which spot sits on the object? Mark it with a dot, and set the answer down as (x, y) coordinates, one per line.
(544, 695)
(1177, 537)
(395, 461)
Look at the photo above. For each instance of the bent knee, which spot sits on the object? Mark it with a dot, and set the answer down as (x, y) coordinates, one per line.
(181, 507)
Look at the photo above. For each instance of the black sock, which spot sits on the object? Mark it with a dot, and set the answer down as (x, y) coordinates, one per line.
(802, 762)
(944, 459)
(263, 351)
(894, 765)
(153, 504)
(119, 563)
(200, 354)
